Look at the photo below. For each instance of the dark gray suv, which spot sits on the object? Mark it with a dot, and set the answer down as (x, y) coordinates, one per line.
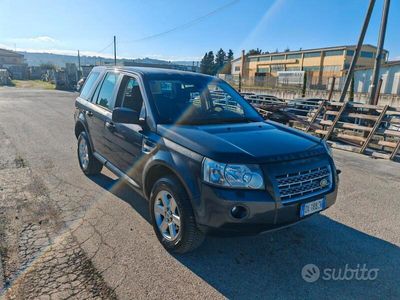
(203, 157)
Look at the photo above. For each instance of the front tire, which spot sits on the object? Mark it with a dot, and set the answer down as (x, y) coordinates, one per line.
(88, 163)
(172, 216)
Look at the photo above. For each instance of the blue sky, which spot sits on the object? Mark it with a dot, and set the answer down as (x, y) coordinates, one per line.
(64, 26)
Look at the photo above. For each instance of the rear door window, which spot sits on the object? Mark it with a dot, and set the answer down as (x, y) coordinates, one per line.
(106, 97)
(88, 86)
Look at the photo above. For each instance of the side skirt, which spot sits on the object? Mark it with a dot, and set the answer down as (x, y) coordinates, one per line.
(120, 174)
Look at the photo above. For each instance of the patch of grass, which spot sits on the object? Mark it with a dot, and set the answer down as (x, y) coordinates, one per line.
(20, 162)
(33, 84)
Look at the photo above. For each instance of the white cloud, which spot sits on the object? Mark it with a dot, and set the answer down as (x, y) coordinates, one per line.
(43, 39)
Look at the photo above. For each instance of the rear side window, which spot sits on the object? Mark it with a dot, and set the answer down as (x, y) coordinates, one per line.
(105, 97)
(87, 88)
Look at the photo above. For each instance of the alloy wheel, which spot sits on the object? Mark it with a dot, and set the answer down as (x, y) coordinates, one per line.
(167, 215)
(83, 153)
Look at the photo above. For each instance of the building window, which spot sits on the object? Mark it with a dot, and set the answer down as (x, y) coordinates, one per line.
(311, 68)
(276, 68)
(367, 54)
(265, 58)
(262, 70)
(349, 52)
(278, 57)
(253, 59)
(334, 53)
(237, 69)
(294, 56)
(331, 68)
(312, 54)
(293, 69)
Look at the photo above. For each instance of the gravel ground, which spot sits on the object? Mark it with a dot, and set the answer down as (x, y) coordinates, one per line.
(64, 235)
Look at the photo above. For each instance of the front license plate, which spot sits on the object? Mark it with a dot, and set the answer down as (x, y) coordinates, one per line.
(312, 207)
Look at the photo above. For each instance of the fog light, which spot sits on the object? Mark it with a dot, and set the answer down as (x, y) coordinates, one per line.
(239, 212)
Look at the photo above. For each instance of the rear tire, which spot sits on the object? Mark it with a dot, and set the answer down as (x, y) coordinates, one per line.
(172, 216)
(88, 163)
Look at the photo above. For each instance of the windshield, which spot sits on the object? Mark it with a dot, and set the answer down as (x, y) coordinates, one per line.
(197, 100)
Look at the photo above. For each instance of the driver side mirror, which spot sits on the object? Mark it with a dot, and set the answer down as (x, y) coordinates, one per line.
(125, 115)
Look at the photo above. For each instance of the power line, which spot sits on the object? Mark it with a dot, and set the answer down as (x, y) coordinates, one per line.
(105, 47)
(185, 25)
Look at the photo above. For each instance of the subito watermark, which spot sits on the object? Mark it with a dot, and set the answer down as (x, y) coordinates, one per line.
(311, 273)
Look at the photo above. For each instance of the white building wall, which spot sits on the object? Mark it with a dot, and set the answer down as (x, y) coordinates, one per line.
(234, 65)
(390, 76)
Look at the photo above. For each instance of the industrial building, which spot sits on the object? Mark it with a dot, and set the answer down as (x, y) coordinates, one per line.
(390, 74)
(319, 63)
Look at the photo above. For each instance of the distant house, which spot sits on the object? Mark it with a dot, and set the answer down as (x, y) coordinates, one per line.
(14, 63)
(8, 57)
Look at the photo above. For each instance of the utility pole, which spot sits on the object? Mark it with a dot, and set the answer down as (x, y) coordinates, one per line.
(115, 51)
(79, 66)
(356, 54)
(378, 58)
(79, 62)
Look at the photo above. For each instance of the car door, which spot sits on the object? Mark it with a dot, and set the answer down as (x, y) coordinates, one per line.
(100, 110)
(125, 140)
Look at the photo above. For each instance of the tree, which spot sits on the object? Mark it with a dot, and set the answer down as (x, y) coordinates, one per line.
(230, 55)
(207, 64)
(220, 60)
(210, 63)
(203, 64)
(254, 52)
(228, 63)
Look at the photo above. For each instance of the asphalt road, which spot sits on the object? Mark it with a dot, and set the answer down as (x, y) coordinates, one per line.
(109, 224)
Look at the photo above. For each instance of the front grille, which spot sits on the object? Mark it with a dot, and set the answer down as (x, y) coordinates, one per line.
(298, 185)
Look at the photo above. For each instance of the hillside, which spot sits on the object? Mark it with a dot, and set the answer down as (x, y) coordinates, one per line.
(36, 59)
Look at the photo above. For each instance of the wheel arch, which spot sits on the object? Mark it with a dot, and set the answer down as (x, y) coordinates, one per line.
(79, 127)
(157, 170)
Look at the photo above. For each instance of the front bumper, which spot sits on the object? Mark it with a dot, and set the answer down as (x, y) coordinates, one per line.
(263, 212)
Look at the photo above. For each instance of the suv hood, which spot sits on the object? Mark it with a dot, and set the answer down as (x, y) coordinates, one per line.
(257, 142)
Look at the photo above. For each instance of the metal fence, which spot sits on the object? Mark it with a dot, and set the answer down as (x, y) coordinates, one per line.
(357, 127)
(268, 82)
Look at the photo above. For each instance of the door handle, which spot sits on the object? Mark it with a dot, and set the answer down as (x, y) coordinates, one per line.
(89, 113)
(110, 125)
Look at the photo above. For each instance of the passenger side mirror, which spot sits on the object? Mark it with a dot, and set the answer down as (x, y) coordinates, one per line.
(125, 115)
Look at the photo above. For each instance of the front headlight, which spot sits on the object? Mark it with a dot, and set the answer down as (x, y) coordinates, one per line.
(232, 175)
